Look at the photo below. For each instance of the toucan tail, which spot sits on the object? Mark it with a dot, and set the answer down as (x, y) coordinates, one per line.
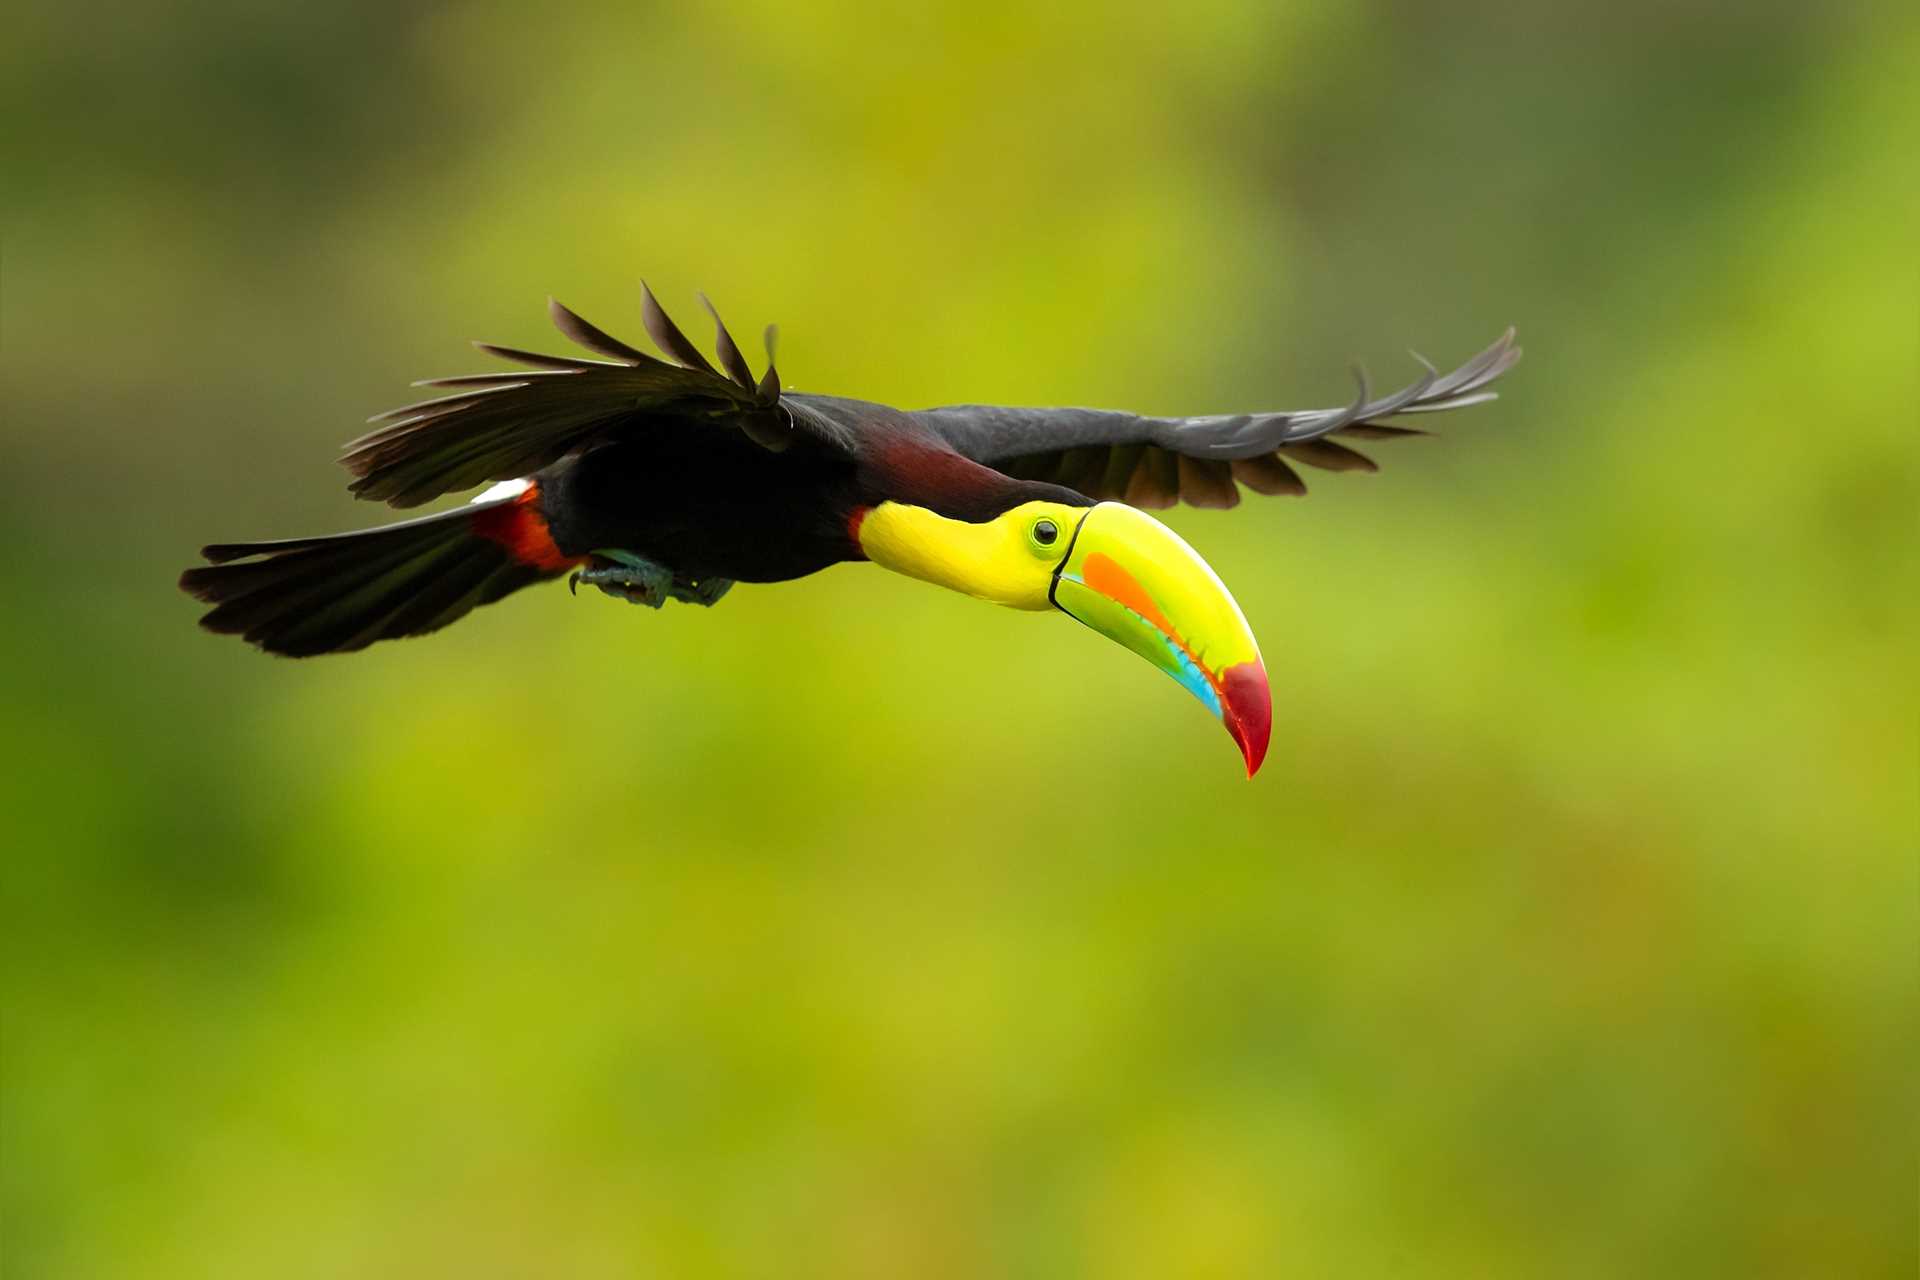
(334, 594)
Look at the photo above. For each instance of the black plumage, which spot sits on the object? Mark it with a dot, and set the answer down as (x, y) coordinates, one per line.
(334, 594)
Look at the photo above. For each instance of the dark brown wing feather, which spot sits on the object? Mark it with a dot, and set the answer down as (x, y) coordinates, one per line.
(498, 426)
(1155, 462)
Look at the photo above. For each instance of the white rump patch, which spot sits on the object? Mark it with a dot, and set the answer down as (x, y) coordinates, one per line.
(505, 489)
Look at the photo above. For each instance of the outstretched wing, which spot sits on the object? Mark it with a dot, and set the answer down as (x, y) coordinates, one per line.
(1155, 462)
(497, 426)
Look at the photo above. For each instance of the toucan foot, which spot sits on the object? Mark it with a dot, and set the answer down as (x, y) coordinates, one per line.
(625, 576)
(704, 592)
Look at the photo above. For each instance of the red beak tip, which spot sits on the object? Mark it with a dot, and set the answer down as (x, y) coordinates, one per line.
(1249, 711)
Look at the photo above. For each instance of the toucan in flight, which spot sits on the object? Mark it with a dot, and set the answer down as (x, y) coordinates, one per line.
(657, 480)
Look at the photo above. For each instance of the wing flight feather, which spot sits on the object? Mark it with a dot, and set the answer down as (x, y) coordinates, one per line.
(1154, 462)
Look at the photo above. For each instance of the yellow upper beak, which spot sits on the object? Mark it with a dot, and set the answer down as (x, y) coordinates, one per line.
(1134, 580)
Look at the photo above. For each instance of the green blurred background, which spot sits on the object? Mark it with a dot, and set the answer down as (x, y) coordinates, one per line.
(856, 929)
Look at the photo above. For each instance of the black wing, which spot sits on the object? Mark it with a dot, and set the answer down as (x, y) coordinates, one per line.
(1155, 462)
(499, 426)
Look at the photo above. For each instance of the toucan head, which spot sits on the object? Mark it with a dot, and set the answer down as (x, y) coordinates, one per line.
(1108, 565)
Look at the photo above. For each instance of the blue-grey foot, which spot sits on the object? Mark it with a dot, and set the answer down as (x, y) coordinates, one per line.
(701, 592)
(626, 576)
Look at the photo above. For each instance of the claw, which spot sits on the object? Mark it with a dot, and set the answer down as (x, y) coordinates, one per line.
(638, 580)
(625, 576)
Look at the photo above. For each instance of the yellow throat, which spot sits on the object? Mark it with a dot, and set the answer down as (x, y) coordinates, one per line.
(994, 560)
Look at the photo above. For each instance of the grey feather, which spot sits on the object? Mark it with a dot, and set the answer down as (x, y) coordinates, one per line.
(592, 338)
(730, 358)
(666, 334)
(1040, 441)
(500, 426)
(768, 391)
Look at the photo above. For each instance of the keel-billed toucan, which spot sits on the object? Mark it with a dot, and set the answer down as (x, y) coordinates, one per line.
(670, 479)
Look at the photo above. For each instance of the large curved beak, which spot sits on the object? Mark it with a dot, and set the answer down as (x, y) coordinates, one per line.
(1134, 580)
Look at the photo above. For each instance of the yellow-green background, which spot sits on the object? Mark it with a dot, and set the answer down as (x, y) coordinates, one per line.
(855, 929)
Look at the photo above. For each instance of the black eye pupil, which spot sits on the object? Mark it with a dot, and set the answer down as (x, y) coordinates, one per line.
(1045, 532)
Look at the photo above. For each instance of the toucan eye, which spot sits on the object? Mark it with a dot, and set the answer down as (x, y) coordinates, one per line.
(1046, 532)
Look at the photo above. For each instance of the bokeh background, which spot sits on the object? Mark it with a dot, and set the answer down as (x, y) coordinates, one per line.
(855, 929)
